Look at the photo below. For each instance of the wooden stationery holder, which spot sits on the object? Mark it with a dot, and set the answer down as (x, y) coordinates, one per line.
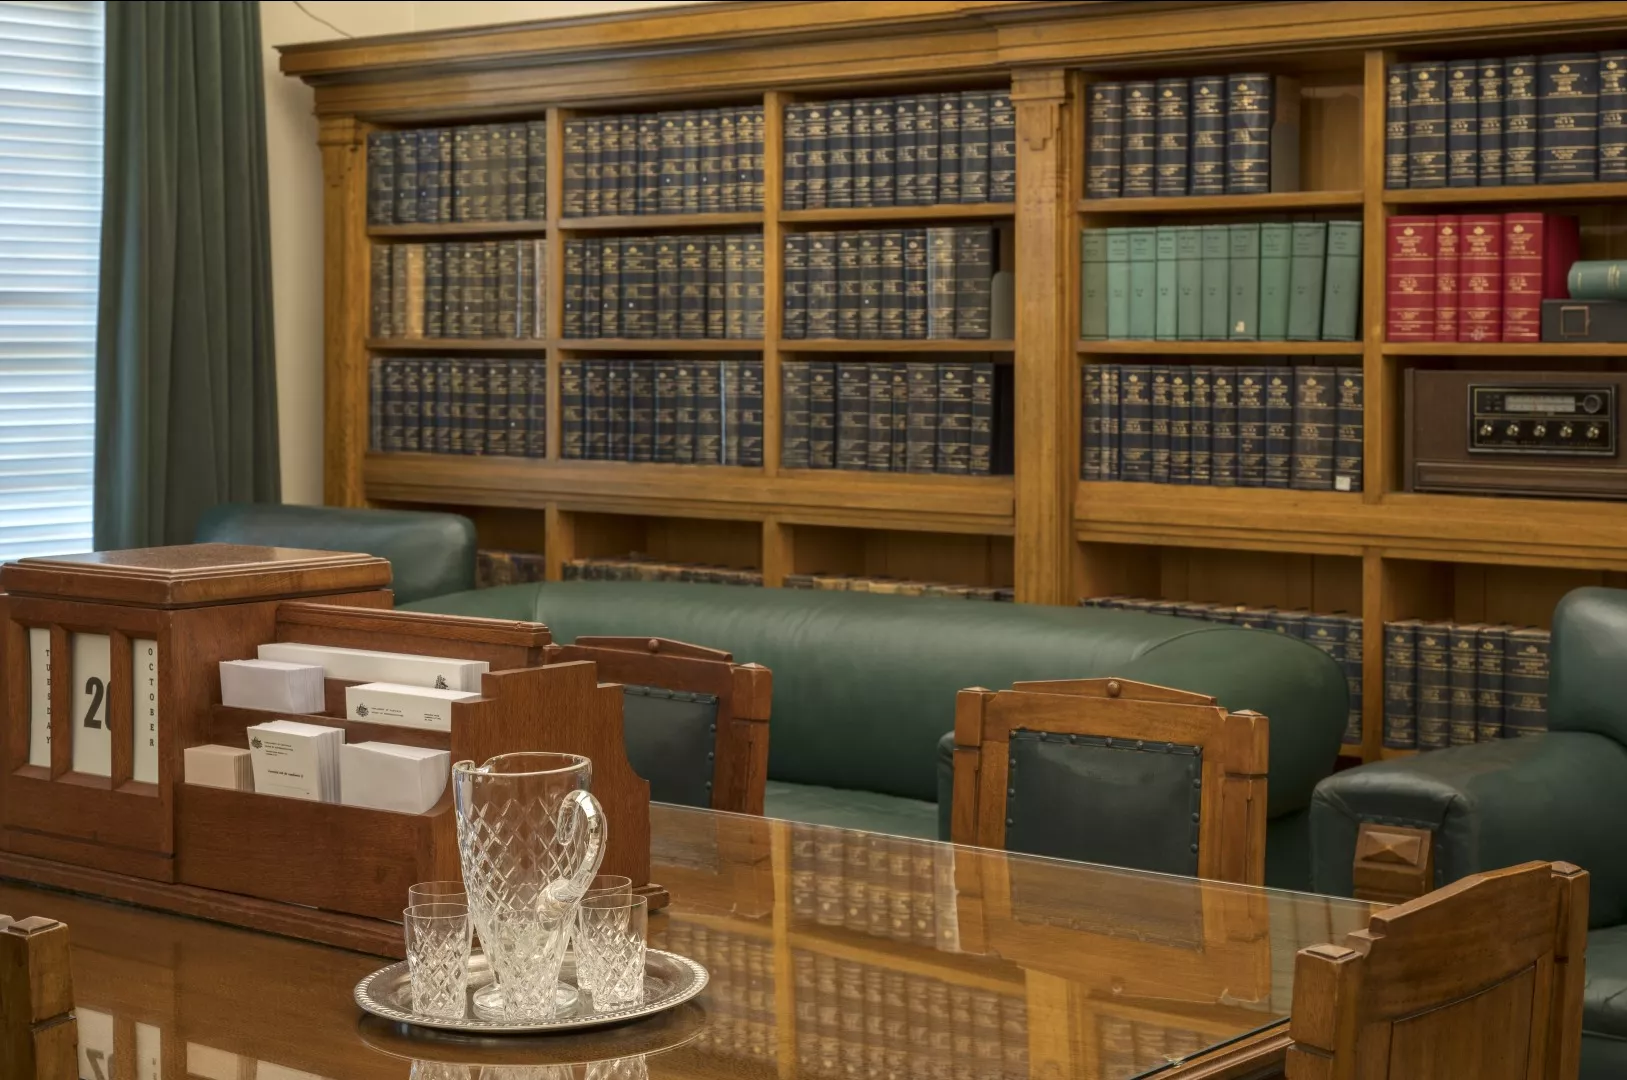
(322, 871)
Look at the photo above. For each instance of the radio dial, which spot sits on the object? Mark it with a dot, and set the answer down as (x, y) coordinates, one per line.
(1513, 429)
(1592, 403)
(1540, 430)
(1566, 431)
(1486, 430)
(1593, 431)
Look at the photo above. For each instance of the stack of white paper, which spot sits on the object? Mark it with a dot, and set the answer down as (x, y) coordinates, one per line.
(402, 705)
(384, 776)
(219, 766)
(300, 761)
(365, 665)
(272, 684)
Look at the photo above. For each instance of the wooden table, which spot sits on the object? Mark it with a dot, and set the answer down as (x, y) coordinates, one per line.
(834, 955)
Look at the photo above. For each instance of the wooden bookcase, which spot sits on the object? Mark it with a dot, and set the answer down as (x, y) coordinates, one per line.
(1384, 552)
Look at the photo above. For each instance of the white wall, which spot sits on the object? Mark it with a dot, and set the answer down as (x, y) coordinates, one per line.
(295, 166)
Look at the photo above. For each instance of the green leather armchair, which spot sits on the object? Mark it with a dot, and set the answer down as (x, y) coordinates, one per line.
(1558, 796)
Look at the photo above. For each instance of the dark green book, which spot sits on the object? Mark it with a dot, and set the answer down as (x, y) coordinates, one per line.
(822, 284)
(1276, 251)
(1002, 148)
(1093, 284)
(1490, 644)
(879, 387)
(596, 409)
(869, 327)
(1251, 426)
(691, 287)
(458, 395)
(949, 142)
(839, 153)
(794, 180)
(641, 410)
(475, 404)
(1173, 125)
(954, 418)
(974, 146)
(395, 406)
(1315, 423)
(406, 177)
(1525, 682)
(921, 435)
(822, 414)
(734, 265)
(849, 284)
(1159, 395)
(1165, 296)
(817, 174)
(380, 177)
(883, 153)
(926, 149)
(593, 166)
(443, 415)
(683, 391)
(1434, 693)
(671, 168)
(729, 377)
(794, 292)
(915, 284)
(1279, 426)
(1215, 241)
(1349, 432)
(852, 416)
(375, 404)
(751, 413)
(862, 153)
(619, 410)
(1201, 381)
(1400, 685)
(717, 286)
(1223, 427)
(710, 177)
(904, 151)
(575, 267)
(984, 392)
(691, 171)
(1207, 167)
(1112, 461)
(637, 287)
(649, 163)
(666, 411)
(1118, 284)
(1243, 276)
(1090, 421)
(1143, 283)
(708, 412)
(1135, 423)
(892, 284)
(1341, 299)
(1355, 651)
(1463, 662)
(1307, 262)
(610, 277)
(900, 379)
(627, 132)
(1180, 425)
(794, 414)
(974, 273)
(668, 285)
(1140, 139)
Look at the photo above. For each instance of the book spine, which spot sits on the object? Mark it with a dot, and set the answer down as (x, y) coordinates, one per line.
(1350, 430)
(519, 409)
(916, 300)
(926, 149)
(1520, 120)
(710, 179)
(735, 299)
(380, 324)
(1307, 268)
(1140, 139)
(476, 406)
(1135, 423)
(1158, 392)
(428, 178)
(904, 150)
(684, 384)
(1243, 273)
(750, 424)
(1248, 134)
(1215, 241)
(941, 284)
(1104, 141)
(399, 315)
(709, 412)
(822, 414)
(794, 414)
(692, 287)
(641, 410)
(1279, 427)
(949, 145)
(463, 171)
(1489, 115)
(404, 419)
(627, 132)
(974, 272)
(1201, 382)
(899, 379)
(1180, 426)
(1462, 124)
(954, 418)
(1354, 652)
(816, 171)
(892, 284)
(1314, 431)
(1223, 386)
(980, 454)
(1400, 685)
(619, 392)
(572, 410)
(444, 414)
(511, 207)
(752, 165)
(717, 286)
(1523, 242)
(921, 435)
(1251, 427)
(732, 143)
(668, 305)
(595, 428)
(1171, 176)
(1143, 283)
(649, 178)
(729, 410)
(508, 289)
(1276, 253)
(375, 404)
(839, 153)
(1480, 277)
(884, 154)
(1397, 79)
(1592, 279)
(1426, 126)
(1341, 285)
(1112, 460)
(869, 284)
(1567, 118)
(1208, 139)
(1448, 257)
(879, 433)
(1462, 656)
(637, 288)
(664, 416)
(1490, 643)
(1118, 283)
(794, 317)
(1002, 148)
(1434, 694)
(852, 416)
(671, 162)
(863, 154)
(487, 160)
(1409, 272)
(1188, 281)
(1165, 297)
(691, 182)
(974, 147)
(380, 177)
(849, 284)
(1613, 116)
(1525, 682)
(406, 177)
(822, 284)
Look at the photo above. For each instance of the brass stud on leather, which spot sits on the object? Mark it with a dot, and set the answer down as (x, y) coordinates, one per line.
(654, 645)
(1113, 688)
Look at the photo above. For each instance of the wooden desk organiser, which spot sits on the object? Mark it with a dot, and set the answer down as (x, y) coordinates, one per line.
(322, 871)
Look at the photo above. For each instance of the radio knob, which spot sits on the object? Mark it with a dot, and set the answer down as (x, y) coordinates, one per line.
(1540, 430)
(1566, 431)
(1593, 431)
(1486, 430)
(1512, 430)
(1592, 403)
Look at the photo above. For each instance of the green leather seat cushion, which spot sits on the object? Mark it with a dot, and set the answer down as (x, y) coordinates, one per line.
(1604, 999)
(865, 685)
(846, 809)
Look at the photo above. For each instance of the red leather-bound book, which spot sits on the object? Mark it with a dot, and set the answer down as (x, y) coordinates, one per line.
(1538, 250)
(1409, 275)
(1447, 249)
(1480, 278)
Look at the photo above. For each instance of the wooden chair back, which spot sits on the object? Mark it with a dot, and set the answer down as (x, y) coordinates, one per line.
(1481, 980)
(38, 1034)
(744, 693)
(1232, 748)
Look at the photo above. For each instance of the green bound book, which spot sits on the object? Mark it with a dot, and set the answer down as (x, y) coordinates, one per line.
(1143, 283)
(1597, 279)
(1276, 246)
(1341, 295)
(1216, 304)
(1188, 283)
(1093, 284)
(1164, 298)
(1243, 320)
(1118, 284)
(1305, 273)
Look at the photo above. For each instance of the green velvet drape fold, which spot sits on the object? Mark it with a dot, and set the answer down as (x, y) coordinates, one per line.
(186, 395)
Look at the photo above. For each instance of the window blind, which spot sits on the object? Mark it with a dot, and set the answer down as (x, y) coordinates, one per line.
(50, 230)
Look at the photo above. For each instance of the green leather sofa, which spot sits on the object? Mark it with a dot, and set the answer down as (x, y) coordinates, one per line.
(864, 685)
(1561, 795)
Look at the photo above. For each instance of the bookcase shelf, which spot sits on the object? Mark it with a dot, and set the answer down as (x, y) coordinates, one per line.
(659, 223)
(1605, 191)
(858, 215)
(455, 229)
(1051, 537)
(1227, 204)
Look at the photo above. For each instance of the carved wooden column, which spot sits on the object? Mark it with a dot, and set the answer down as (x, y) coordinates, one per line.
(345, 308)
(1044, 359)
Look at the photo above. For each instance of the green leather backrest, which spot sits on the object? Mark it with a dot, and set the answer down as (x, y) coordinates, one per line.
(430, 554)
(864, 685)
(1587, 683)
(671, 737)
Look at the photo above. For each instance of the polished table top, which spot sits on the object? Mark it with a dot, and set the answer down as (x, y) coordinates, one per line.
(833, 955)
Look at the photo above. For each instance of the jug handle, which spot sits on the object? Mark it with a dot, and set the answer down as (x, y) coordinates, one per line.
(582, 805)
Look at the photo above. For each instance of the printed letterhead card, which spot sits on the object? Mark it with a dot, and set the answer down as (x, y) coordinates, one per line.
(299, 761)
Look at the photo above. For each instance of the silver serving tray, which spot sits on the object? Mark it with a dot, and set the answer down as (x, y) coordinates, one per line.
(669, 981)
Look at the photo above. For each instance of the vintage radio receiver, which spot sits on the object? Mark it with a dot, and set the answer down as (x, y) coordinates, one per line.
(1516, 433)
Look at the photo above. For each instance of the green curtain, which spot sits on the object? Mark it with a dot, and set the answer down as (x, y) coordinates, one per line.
(186, 393)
